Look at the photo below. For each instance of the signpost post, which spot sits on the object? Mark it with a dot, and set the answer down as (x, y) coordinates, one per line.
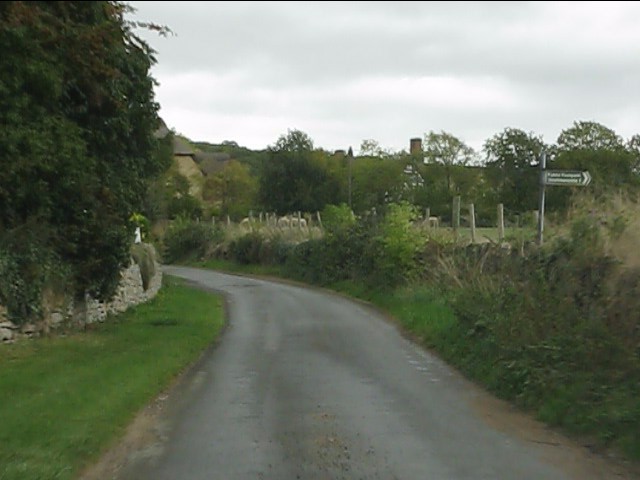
(543, 166)
(559, 178)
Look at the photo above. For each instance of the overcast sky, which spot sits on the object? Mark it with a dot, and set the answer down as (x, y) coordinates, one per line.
(389, 71)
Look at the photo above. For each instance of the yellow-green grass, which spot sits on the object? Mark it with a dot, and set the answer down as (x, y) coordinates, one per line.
(64, 400)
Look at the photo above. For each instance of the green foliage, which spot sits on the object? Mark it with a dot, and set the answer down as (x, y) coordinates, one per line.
(232, 188)
(27, 265)
(511, 160)
(294, 141)
(398, 245)
(186, 239)
(75, 157)
(250, 158)
(376, 181)
(184, 206)
(447, 150)
(589, 136)
(293, 179)
(256, 249)
(246, 249)
(336, 218)
(555, 330)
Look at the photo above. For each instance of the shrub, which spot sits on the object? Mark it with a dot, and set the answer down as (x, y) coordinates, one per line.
(246, 249)
(187, 239)
(397, 245)
(336, 218)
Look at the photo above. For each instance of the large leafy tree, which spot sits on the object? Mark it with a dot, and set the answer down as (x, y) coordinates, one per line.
(376, 182)
(447, 150)
(598, 149)
(511, 156)
(633, 146)
(294, 178)
(589, 135)
(233, 189)
(77, 146)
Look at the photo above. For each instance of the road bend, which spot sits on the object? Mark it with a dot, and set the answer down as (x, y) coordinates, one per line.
(309, 385)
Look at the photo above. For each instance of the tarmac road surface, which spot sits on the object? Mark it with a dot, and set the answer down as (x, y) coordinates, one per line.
(309, 385)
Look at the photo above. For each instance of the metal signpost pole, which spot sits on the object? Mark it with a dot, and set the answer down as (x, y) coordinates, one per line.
(543, 165)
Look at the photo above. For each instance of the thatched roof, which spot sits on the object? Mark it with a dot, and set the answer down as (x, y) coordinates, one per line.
(217, 156)
(182, 147)
(211, 166)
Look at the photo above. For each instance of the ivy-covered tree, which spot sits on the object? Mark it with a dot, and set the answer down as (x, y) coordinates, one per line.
(76, 147)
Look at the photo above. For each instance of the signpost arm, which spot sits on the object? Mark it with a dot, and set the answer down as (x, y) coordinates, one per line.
(543, 165)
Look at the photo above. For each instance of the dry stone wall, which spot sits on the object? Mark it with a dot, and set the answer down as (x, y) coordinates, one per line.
(78, 314)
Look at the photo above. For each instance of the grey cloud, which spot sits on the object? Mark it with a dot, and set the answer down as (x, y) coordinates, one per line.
(562, 61)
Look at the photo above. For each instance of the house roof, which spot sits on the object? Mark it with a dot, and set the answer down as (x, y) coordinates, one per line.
(211, 165)
(217, 156)
(182, 147)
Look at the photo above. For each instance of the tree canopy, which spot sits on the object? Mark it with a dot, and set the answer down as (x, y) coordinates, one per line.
(510, 158)
(77, 145)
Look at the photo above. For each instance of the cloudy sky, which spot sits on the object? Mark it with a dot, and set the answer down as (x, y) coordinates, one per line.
(348, 71)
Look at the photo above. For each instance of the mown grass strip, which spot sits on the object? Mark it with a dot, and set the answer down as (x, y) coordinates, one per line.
(63, 400)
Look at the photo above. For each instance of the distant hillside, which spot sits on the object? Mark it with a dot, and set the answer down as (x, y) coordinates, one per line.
(252, 158)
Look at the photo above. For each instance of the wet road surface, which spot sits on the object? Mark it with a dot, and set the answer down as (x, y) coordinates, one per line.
(309, 385)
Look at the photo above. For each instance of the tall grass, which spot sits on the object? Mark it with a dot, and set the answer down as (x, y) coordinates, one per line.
(558, 330)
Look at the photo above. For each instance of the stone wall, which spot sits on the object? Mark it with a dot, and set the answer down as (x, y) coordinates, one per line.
(67, 313)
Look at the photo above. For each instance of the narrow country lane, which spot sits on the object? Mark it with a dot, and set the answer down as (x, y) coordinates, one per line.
(309, 385)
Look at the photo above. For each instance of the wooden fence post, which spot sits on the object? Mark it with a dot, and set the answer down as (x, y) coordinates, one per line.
(455, 219)
(500, 222)
(472, 222)
(427, 215)
(319, 219)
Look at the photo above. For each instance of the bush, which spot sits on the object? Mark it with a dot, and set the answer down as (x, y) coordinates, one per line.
(336, 218)
(186, 239)
(246, 249)
(397, 245)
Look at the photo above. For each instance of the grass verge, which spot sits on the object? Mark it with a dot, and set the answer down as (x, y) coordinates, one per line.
(63, 400)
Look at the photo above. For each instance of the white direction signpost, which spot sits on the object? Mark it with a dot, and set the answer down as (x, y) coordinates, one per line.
(569, 178)
(560, 178)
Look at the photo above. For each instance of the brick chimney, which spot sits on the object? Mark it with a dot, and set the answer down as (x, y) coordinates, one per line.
(415, 146)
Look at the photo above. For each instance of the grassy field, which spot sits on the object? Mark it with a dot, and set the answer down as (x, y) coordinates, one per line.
(63, 400)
